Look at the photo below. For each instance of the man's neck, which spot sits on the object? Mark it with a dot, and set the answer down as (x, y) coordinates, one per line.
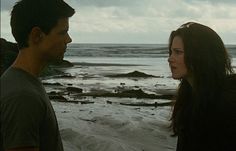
(28, 61)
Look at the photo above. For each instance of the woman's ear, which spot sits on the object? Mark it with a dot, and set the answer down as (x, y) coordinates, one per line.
(35, 35)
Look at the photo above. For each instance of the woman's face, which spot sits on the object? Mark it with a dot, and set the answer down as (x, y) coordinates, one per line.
(176, 59)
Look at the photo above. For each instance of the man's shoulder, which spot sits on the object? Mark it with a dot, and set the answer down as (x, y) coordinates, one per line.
(14, 82)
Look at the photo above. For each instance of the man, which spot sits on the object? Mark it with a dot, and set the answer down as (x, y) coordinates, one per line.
(27, 119)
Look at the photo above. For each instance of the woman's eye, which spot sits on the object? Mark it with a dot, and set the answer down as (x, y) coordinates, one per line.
(179, 52)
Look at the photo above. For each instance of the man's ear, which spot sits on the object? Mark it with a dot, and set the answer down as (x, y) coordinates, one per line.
(36, 35)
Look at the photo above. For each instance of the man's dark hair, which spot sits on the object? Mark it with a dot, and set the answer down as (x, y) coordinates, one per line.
(44, 14)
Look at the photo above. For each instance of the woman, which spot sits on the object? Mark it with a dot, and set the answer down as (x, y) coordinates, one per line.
(204, 115)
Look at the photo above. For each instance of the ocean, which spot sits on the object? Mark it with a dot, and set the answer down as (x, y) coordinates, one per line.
(98, 60)
(93, 63)
(126, 50)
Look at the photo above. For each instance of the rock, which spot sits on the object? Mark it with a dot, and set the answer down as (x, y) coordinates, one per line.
(60, 98)
(148, 104)
(132, 74)
(86, 102)
(109, 102)
(52, 93)
(8, 53)
(129, 94)
(57, 97)
(61, 64)
(74, 89)
(54, 84)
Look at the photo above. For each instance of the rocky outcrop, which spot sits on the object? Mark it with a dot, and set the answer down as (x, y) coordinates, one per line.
(155, 104)
(9, 53)
(74, 89)
(132, 74)
(61, 64)
(129, 94)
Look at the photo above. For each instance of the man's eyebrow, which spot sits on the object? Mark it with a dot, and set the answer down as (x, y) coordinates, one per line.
(66, 28)
(63, 30)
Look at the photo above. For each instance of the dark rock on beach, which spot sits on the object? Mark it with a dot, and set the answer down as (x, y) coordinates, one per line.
(61, 64)
(74, 89)
(129, 94)
(52, 84)
(54, 96)
(132, 74)
(57, 97)
(141, 94)
(156, 104)
(86, 102)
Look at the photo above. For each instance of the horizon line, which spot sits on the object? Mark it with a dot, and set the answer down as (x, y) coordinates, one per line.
(118, 43)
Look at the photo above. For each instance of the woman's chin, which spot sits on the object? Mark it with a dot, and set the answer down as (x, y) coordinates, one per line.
(176, 77)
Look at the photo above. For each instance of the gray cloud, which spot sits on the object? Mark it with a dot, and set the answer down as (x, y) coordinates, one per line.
(108, 3)
(214, 1)
(146, 21)
(6, 5)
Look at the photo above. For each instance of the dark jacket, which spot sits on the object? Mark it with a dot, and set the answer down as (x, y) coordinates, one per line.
(217, 131)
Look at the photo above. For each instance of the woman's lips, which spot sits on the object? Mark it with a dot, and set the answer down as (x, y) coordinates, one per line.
(173, 68)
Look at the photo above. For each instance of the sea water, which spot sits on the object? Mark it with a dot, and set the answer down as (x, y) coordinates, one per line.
(93, 62)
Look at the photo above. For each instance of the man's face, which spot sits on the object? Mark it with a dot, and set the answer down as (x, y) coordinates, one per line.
(54, 44)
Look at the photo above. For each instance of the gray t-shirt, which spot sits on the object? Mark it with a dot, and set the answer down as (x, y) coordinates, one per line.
(27, 118)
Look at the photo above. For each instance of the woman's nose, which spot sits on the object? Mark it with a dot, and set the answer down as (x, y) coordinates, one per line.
(170, 58)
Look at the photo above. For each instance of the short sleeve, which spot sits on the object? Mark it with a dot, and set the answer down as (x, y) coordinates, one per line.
(21, 117)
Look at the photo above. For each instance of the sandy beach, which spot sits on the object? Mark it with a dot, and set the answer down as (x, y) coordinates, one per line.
(112, 127)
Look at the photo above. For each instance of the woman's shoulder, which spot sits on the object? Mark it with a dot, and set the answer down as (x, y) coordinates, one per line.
(229, 92)
(230, 82)
(227, 107)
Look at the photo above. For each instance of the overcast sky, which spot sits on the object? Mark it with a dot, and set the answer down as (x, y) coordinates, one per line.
(139, 21)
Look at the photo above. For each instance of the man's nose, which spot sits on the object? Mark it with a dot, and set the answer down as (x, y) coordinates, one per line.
(68, 39)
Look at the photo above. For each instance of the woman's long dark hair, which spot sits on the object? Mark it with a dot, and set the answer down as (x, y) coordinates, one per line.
(209, 64)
